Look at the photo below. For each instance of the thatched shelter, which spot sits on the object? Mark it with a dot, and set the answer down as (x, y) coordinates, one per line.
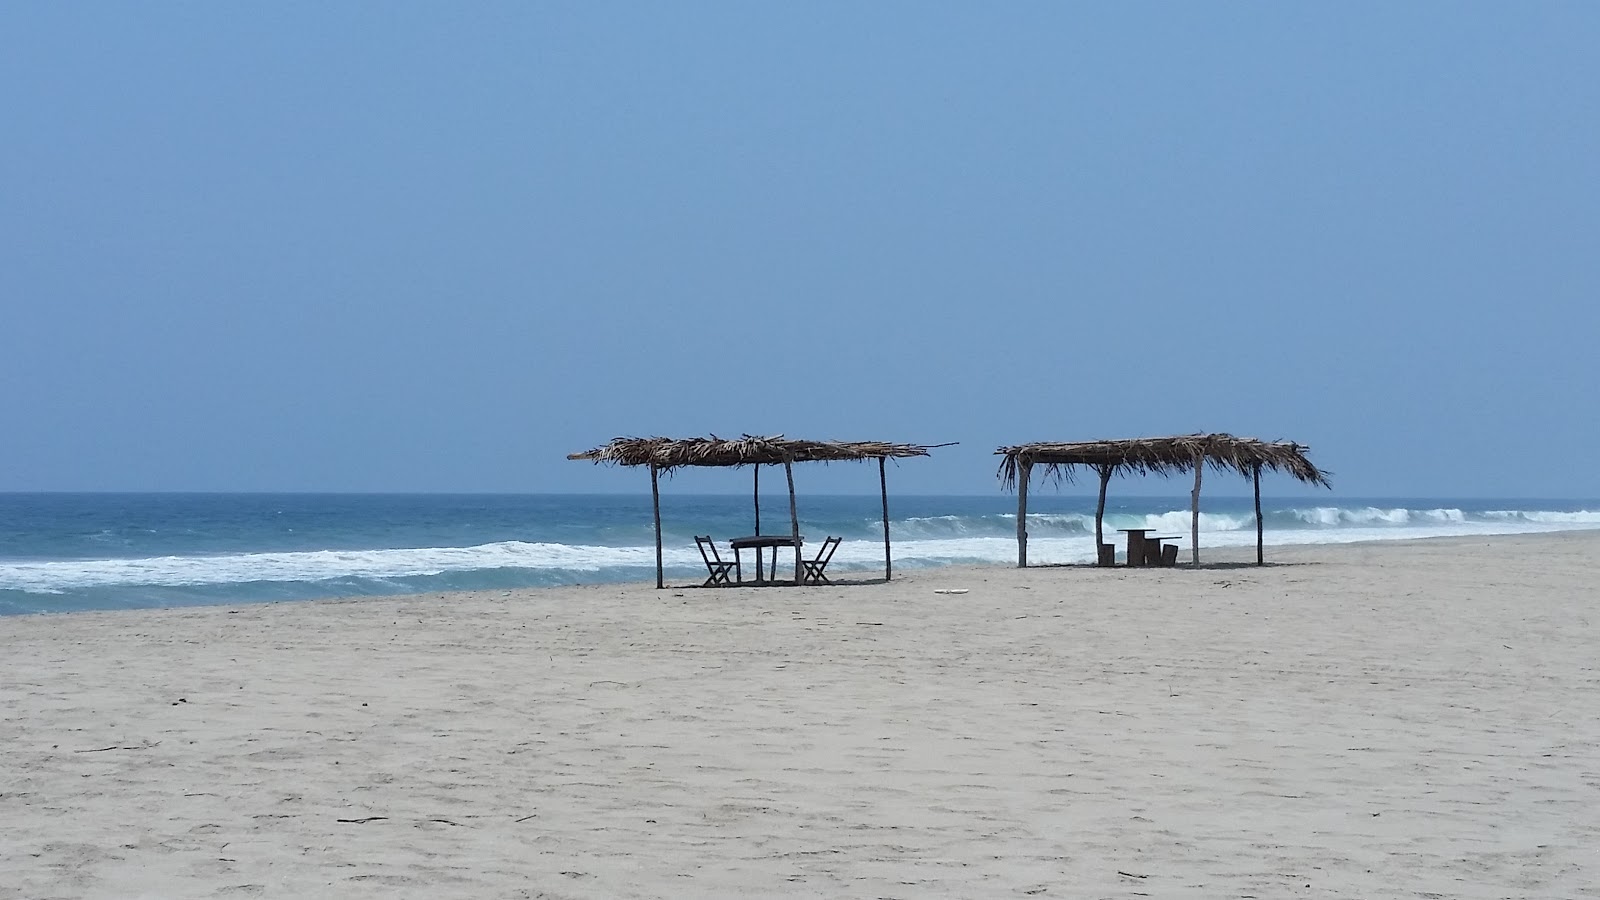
(665, 454)
(1158, 456)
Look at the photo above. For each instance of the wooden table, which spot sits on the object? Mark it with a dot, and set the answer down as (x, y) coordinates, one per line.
(1136, 544)
(1153, 548)
(759, 542)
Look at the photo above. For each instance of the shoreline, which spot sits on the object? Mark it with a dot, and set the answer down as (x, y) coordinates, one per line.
(1219, 558)
(179, 550)
(1391, 718)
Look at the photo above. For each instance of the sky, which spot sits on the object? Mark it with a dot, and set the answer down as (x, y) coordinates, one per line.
(437, 247)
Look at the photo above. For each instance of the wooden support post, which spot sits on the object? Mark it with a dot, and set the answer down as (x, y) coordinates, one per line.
(883, 487)
(1194, 504)
(655, 506)
(794, 521)
(758, 498)
(1261, 558)
(1024, 469)
(1100, 517)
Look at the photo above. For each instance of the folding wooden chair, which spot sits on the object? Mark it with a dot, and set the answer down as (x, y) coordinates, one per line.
(814, 567)
(714, 563)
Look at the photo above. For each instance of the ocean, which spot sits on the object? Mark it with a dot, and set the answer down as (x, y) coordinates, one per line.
(71, 552)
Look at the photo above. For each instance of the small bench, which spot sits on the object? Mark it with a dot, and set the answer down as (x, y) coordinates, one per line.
(1157, 553)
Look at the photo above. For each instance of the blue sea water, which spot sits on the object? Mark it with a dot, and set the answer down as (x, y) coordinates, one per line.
(68, 552)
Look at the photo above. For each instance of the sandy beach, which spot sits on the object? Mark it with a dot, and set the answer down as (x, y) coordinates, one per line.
(1412, 719)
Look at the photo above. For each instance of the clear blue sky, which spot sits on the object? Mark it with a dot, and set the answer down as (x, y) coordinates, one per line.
(434, 247)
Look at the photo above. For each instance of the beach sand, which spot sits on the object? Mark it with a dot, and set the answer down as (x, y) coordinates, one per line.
(1417, 719)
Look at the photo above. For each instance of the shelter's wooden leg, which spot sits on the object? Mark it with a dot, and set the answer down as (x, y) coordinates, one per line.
(655, 506)
(1194, 510)
(1099, 519)
(1261, 559)
(794, 527)
(883, 487)
(1025, 470)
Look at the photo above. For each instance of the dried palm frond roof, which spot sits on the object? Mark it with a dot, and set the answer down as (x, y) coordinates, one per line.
(1163, 456)
(671, 453)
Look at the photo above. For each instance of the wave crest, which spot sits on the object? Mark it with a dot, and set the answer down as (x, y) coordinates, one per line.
(323, 565)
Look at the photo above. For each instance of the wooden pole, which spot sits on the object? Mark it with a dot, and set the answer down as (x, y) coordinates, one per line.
(655, 506)
(1194, 504)
(794, 520)
(1100, 515)
(758, 498)
(883, 487)
(1261, 558)
(1023, 471)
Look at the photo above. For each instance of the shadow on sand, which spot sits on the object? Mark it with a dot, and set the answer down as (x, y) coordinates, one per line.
(833, 581)
(1180, 567)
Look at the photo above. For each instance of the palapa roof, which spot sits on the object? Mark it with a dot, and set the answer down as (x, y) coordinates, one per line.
(1164, 456)
(671, 453)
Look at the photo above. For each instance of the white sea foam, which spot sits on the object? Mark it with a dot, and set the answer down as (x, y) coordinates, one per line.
(1178, 521)
(928, 541)
(56, 576)
(1582, 517)
(1336, 516)
(929, 526)
(1165, 521)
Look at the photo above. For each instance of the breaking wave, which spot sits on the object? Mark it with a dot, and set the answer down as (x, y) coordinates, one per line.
(626, 552)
